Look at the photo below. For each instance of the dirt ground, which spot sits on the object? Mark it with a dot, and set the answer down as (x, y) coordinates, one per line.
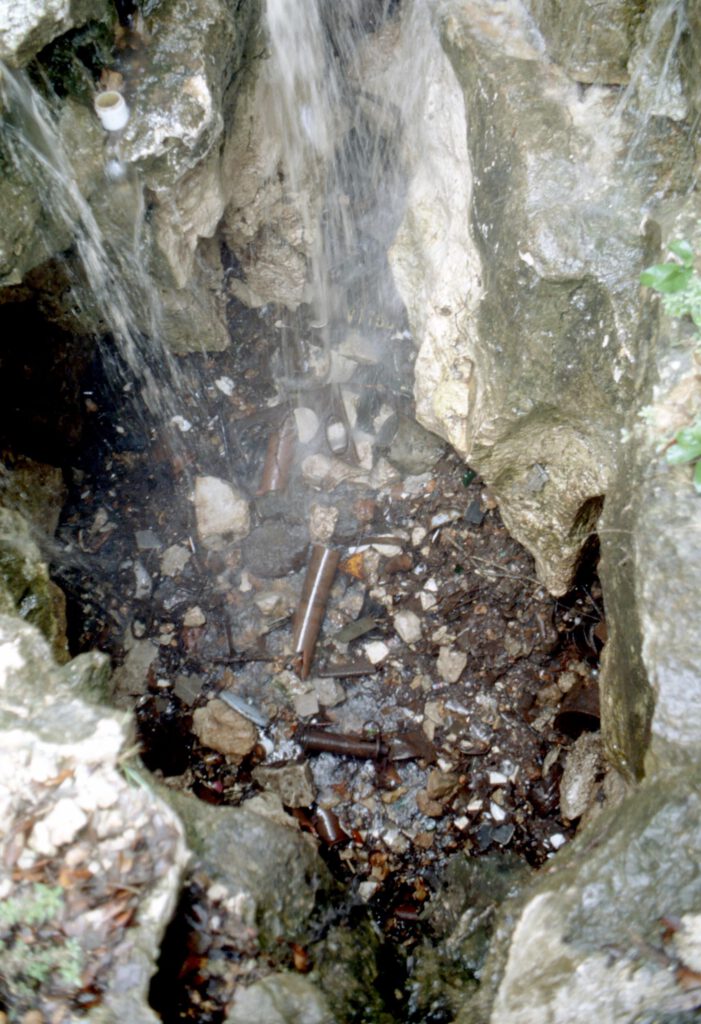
(441, 661)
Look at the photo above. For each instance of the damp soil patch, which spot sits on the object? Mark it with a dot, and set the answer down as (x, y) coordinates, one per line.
(426, 727)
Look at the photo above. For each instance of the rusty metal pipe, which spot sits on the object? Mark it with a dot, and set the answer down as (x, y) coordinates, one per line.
(310, 612)
(313, 739)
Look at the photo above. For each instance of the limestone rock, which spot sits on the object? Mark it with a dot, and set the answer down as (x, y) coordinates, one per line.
(283, 998)
(28, 25)
(557, 965)
(222, 512)
(62, 767)
(293, 783)
(583, 772)
(218, 726)
(591, 48)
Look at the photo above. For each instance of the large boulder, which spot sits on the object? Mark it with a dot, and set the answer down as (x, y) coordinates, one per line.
(27, 26)
(93, 863)
(612, 931)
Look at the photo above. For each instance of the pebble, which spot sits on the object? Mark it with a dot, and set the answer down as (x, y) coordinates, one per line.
(329, 692)
(147, 540)
(276, 548)
(376, 651)
(450, 664)
(221, 728)
(583, 769)
(60, 826)
(174, 559)
(428, 601)
(194, 617)
(306, 704)
(418, 535)
(307, 423)
(408, 626)
(225, 385)
(293, 783)
(498, 813)
(142, 581)
(322, 523)
(221, 512)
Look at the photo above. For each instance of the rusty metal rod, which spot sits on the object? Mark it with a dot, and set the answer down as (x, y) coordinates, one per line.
(310, 612)
(278, 458)
(313, 739)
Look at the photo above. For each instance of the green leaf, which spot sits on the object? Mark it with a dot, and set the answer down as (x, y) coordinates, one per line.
(678, 454)
(666, 277)
(697, 477)
(683, 250)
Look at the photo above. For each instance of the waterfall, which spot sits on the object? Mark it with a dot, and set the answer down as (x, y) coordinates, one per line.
(337, 146)
(118, 279)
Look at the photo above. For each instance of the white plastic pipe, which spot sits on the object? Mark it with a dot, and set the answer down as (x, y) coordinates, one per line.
(112, 110)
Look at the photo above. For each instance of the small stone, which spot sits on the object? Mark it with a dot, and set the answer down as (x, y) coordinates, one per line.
(225, 385)
(450, 664)
(582, 774)
(142, 581)
(306, 704)
(221, 512)
(366, 890)
(322, 523)
(440, 784)
(418, 535)
(174, 559)
(376, 651)
(307, 423)
(557, 840)
(497, 779)
(147, 540)
(60, 826)
(187, 688)
(221, 728)
(293, 783)
(329, 692)
(194, 617)
(431, 808)
(498, 813)
(428, 601)
(408, 626)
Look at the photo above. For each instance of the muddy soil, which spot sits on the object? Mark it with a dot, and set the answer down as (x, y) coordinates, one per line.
(441, 661)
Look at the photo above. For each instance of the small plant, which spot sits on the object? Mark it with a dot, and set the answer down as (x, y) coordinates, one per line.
(33, 950)
(680, 287)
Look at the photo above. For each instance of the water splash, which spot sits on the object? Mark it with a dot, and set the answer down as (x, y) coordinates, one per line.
(114, 264)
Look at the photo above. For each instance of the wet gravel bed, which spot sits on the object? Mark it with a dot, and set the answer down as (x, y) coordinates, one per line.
(441, 661)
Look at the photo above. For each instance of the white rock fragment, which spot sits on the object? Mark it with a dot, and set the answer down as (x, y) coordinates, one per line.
(497, 779)
(225, 385)
(194, 617)
(450, 664)
(322, 523)
(221, 512)
(307, 423)
(174, 559)
(408, 626)
(557, 840)
(428, 601)
(376, 651)
(221, 728)
(417, 535)
(498, 813)
(366, 890)
(306, 704)
(142, 581)
(181, 423)
(60, 826)
(329, 692)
